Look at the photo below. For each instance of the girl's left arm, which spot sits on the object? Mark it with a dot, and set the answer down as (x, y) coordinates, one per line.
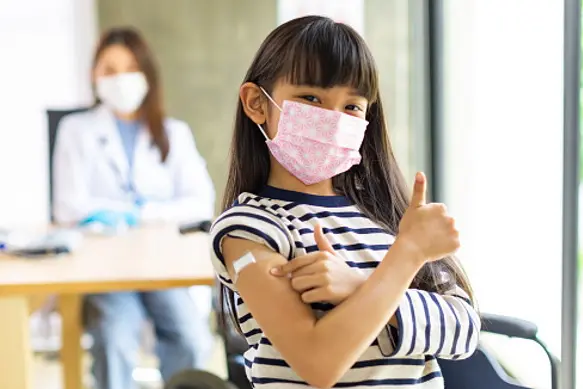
(442, 325)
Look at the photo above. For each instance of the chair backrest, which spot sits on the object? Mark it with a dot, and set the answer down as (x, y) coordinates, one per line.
(480, 371)
(54, 118)
(235, 344)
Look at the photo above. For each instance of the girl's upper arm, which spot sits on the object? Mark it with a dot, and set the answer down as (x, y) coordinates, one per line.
(277, 308)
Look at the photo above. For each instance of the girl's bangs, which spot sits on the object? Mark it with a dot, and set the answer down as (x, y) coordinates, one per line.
(325, 55)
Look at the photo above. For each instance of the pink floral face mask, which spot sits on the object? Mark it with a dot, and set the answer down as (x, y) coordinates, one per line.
(315, 144)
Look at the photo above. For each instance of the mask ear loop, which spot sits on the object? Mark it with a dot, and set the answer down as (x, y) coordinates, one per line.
(263, 132)
(274, 103)
(270, 98)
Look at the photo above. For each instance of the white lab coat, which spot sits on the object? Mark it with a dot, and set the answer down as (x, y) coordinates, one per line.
(91, 172)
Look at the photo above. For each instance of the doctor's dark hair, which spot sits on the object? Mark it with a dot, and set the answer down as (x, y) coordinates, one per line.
(319, 52)
(151, 110)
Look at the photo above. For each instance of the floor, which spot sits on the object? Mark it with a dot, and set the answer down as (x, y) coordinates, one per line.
(48, 371)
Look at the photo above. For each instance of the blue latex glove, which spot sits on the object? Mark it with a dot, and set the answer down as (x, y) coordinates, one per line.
(111, 218)
(132, 219)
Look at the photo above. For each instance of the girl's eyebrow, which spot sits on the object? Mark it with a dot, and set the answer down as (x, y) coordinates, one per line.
(309, 87)
(356, 93)
(353, 92)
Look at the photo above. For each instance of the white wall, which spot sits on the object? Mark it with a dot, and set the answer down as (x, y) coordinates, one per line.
(46, 51)
(503, 123)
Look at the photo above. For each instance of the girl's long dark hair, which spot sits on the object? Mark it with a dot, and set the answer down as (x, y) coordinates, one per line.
(151, 110)
(317, 51)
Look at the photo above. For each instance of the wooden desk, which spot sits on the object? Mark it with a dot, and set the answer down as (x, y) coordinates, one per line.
(143, 259)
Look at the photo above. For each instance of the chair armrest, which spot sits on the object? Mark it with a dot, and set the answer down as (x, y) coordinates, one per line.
(509, 326)
(523, 329)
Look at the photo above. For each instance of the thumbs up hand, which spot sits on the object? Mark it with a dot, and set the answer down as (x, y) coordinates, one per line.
(321, 276)
(427, 228)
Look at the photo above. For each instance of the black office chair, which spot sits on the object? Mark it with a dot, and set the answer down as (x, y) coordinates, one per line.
(235, 345)
(482, 370)
(54, 118)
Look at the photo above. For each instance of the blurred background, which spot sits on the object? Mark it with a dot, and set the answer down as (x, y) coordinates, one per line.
(474, 92)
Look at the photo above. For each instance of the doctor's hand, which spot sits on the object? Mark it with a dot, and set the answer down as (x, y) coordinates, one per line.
(111, 219)
(321, 276)
(427, 229)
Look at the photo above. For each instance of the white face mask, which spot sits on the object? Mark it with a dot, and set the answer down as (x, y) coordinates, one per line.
(124, 92)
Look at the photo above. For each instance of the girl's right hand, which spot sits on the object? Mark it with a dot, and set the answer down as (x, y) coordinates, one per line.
(427, 228)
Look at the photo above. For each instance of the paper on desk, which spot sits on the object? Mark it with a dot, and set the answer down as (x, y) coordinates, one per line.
(18, 240)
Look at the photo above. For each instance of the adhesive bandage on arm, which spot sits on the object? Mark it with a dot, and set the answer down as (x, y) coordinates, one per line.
(242, 263)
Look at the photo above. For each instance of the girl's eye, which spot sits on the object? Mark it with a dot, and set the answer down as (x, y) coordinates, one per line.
(311, 99)
(353, 107)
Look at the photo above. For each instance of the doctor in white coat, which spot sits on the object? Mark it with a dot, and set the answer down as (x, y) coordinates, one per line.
(124, 163)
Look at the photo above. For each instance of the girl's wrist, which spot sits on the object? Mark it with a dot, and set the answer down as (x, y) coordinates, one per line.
(410, 250)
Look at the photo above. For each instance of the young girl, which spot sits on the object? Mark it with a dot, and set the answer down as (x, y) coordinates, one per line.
(314, 202)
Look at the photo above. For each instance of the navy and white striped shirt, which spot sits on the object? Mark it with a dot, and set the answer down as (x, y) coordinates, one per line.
(429, 325)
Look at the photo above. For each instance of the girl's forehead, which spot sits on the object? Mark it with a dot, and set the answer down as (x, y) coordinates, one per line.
(343, 89)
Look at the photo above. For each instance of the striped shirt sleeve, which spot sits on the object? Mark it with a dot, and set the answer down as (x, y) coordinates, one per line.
(445, 326)
(249, 223)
